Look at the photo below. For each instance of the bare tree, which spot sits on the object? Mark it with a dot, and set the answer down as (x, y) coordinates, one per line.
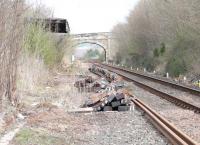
(153, 24)
(11, 28)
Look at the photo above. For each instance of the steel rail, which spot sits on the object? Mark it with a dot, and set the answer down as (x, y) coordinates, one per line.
(174, 135)
(152, 90)
(158, 80)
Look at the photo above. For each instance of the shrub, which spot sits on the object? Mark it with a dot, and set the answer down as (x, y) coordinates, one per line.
(176, 66)
(38, 42)
(162, 49)
(156, 52)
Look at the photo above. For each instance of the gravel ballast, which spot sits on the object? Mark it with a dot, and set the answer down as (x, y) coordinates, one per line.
(185, 96)
(96, 128)
(114, 128)
(185, 120)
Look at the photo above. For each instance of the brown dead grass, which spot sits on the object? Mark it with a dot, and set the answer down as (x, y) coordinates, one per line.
(56, 120)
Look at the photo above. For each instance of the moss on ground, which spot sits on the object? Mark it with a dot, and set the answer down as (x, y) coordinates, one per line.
(30, 137)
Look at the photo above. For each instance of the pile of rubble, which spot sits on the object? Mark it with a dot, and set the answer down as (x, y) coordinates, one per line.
(114, 102)
(101, 85)
(104, 73)
(115, 81)
(109, 95)
(84, 82)
(88, 84)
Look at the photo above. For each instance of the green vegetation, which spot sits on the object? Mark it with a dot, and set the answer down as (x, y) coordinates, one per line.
(176, 66)
(156, 52)
(162, 49)
(40, 43)
(94, 54)
(162, 36)
(29, 137)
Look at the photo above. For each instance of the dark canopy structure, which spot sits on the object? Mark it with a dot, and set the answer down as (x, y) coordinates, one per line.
(54, 25)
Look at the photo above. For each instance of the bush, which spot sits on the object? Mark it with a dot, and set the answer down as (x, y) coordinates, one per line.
(138, 60)
(176, 66)
(162, 49)
(148, 63)
(156, 52)
(38, 42)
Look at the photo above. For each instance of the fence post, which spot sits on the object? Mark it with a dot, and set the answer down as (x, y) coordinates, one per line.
(184, 78)
(167, 75)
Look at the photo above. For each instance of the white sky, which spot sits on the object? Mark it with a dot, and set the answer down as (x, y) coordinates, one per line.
(86, 16)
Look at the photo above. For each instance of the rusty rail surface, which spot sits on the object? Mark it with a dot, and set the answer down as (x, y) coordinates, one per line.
(175, 136)
(150, 89)
(158, 80)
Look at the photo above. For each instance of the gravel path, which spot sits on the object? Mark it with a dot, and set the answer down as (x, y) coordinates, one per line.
(185, 120)
(113, 128)
(104, 128)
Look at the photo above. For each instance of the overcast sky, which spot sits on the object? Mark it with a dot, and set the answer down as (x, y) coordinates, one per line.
(86, 16)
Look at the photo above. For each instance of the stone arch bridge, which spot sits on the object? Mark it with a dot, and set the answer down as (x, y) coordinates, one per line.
(101, 39)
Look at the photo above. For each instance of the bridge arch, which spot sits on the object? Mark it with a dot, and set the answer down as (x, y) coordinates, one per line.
(95, 43)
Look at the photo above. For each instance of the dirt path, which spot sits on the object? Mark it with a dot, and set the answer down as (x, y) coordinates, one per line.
(50, 123)
(59, 94)
(5, 140)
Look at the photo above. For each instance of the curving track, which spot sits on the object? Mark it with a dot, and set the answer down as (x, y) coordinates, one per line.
(129, 75)
(154, 79)
(175, 136)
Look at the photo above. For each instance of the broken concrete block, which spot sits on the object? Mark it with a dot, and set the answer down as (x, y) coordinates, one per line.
(111, 98)
(99, 108)
(116, 104)
(107, 108)
(103, 104)
(123, 108)
(119, 96)
(106, 101)
(125, 101)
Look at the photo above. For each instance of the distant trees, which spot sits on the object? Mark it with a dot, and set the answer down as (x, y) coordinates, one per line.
(161, 34)
(94, 54)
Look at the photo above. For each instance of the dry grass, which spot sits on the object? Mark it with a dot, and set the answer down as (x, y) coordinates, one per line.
(32, 72)
(58, 91)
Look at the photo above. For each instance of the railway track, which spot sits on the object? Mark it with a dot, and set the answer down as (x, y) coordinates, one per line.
(127, 74)
(174, 135)
(171, 132)
(158, 80)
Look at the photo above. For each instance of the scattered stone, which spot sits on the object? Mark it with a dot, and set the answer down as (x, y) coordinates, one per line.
(20, 116)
